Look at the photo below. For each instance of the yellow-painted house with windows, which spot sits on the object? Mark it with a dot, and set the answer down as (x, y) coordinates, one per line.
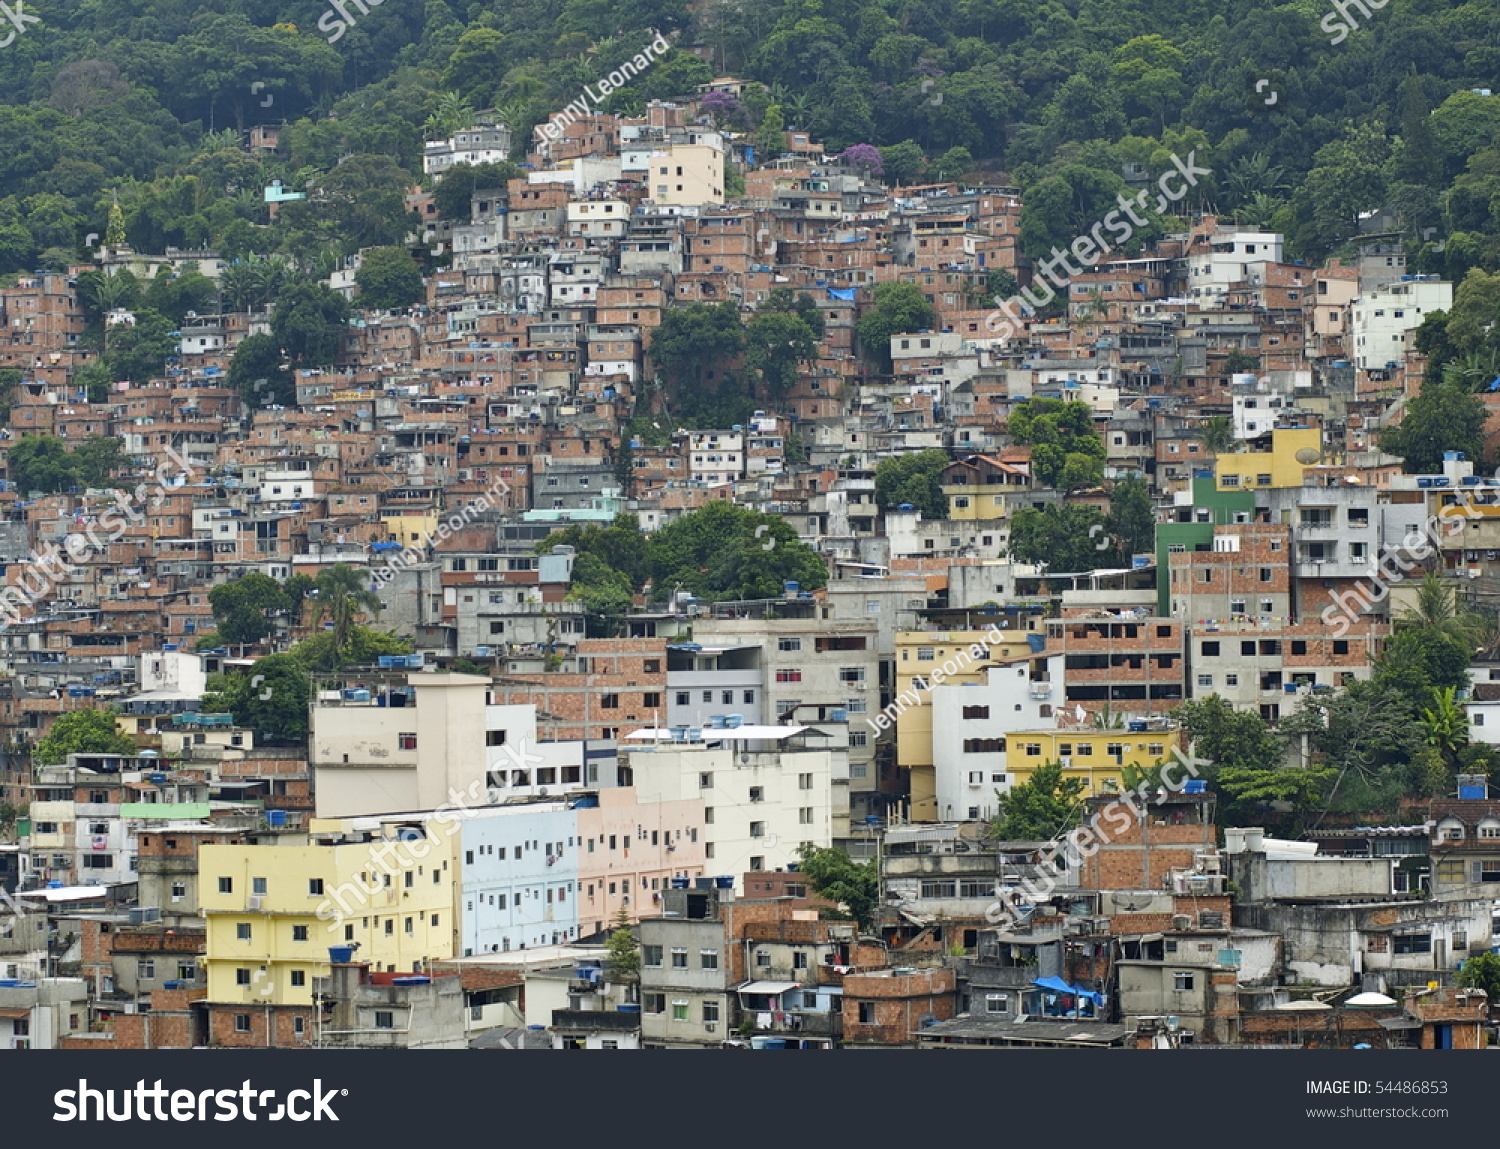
(1096, 756)
(1281, 464)
(273, 911)
(927, 658)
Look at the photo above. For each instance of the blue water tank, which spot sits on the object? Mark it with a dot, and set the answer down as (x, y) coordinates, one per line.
(724, 883)
(1137, 726)
(1474, 793)
(680, 883)
(276, 818)
(838, 714)
(703, 883)
(1195, 786)
(339, 955)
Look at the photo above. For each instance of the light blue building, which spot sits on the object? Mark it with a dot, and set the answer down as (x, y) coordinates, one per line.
(518, 878)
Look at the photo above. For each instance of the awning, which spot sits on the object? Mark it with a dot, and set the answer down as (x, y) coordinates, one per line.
(771, 987)
(15, 1014)
(1058, 985)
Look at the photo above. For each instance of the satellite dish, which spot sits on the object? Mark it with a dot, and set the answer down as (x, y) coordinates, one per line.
(1308, 456)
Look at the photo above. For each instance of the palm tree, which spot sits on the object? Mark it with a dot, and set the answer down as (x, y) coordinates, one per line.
(342, 596)
(1445, 726)
(1217, 436)
(1437, 609)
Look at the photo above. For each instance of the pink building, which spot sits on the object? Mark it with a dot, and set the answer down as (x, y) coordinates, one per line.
(630, 852)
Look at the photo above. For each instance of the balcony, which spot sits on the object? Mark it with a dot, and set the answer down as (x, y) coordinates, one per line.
(596, 1019)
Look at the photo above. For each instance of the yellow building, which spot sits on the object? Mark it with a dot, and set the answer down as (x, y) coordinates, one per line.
(1292, 451)
(978, 488)
(686, 174)
(273, 911)
(410, 530)
(928, 658)
(1096, 756)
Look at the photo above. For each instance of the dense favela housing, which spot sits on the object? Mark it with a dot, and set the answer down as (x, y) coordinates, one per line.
(677, 596)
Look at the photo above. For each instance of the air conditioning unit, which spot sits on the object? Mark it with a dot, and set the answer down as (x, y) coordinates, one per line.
(1065, 762)
(710, 1026)
(253, 902)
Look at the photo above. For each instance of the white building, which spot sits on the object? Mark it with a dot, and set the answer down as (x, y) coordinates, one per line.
(1381, 320)
(970, 725)
(717, 457)
(759, 806)
(1232, 257)
(484, 144)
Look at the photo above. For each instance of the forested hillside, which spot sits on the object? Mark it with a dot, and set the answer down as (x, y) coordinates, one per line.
(135, 100)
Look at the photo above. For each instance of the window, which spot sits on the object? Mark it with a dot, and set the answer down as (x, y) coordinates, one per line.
(996, 1003)
(299, 933)
(1210, 650)
(867, 1013)
(609, 701)
(757, 794)
(494, 738)
(242, 976)
(976, 712)
(710, 1011)
(651, 955)
(314, 887)
(789, 644)
(805, 815)
(1182, 980)
(926, 654)
(299, 979)
(653, 1003)
(242, 931)
(939, 889)
(851, 674)
(242, 1023)
(145, 969)
(406, 741)
(974, 889)
(226, 885)
(679, 958)
(757, 829)
(763, 959)
(684, 698)
(679, 1010)
(385, 1019)
(179, 891)
(799, 960)
(788, 676)
(1413, 944)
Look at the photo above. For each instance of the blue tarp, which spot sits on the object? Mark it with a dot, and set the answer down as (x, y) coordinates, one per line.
(845, 293)
(1057, 984)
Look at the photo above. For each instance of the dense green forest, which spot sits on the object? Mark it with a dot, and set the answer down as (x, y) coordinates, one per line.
(137, 101)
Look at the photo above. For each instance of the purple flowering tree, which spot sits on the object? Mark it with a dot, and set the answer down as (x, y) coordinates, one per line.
(723, 107)
(866, 158)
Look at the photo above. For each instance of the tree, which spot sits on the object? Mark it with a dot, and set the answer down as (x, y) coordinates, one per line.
(853, 886)
(363, 645)
(257, 370)
(81, 732)
(864, 159)
(343, 595)
(1040, 808)
(776, 345)
(895, 308)
(953, 163)
(309, 323)
(723, 552)
(604, 592)
(1445, 727)
(455, 191)
(241, 607)
(622, 957)
(388, 278)
(696, 343)
(1482, 971)
(915, 478)
(1445, 416)
(1217, 435)
(1066, 451)
(770, 137)
(903, 162)
(41, 463)
(1063, 537)
(1132, 517)
(269, 698)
